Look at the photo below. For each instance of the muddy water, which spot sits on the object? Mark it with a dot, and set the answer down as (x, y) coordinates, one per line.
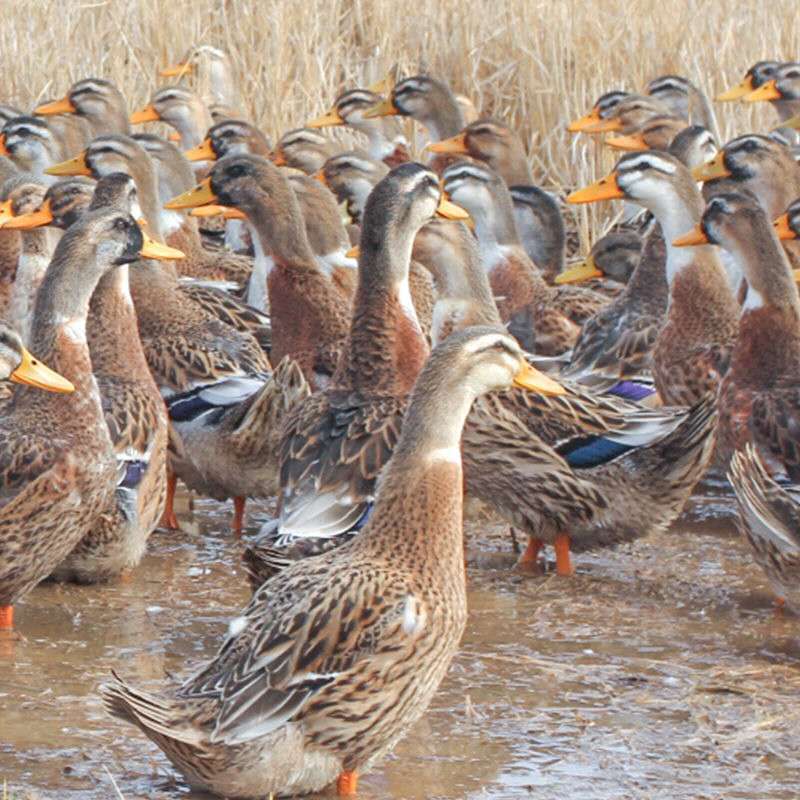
(659, 671)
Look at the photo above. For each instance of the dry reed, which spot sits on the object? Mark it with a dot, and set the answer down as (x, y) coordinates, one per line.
(533, 63)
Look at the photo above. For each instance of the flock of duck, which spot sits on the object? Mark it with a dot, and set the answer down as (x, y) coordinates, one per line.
(382, 345)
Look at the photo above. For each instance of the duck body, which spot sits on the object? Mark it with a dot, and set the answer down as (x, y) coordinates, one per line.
(309, 682)
(58, 464)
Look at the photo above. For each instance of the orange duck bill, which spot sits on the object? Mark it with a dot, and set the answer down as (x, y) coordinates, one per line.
(34, 219)
(584, 122)
(203, 152)
(696, 236)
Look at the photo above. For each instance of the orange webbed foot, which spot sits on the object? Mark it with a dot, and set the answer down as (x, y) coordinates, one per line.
(563, 559)
(347, 784)
(529, 560)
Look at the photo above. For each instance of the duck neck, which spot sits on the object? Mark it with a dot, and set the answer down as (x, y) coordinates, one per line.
(112, 328)
(423, 482)
(263, 264)
(445, 119)
(282, 233)
(386, 346)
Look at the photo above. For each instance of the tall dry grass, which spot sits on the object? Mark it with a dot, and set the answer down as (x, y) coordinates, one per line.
(533, 63)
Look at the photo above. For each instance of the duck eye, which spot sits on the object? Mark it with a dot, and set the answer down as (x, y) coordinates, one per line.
(236, 171)
(120, 224)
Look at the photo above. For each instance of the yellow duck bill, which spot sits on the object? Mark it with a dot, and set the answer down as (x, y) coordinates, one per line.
(203, 152)
(605, 189)
(153, 249)
(532, 380)
(584, 271)
(329, 120)
(386, 108)
(200, 195)
(455, 145)
(62, 106)
(33, 219)
(696, 236)
(736, 92)
(712, 170)
(767, 91)
(75, 166)
(146, 114)
(32, 372)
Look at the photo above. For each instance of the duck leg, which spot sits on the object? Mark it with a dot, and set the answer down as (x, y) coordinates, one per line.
(563, 559)
(238, 515)
(6, 618)
(168, 519)
(347, 784)
(529, 559)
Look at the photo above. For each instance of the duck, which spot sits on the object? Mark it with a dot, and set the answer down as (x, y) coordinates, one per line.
(335, 444)
(761, 166)
(134, 411)
(32, 145)
(427, 100)
(617, 343)
(95, 100)
(494, 143)
(212, 73)
(351, 176)
(522, 440)
(782, 89)
(23, 194)
(180, 109)
(230, 137)
(693, 146)
(656, 134)
(769, 518)
(58, 468)
(757, 75)
(613, 257)
(304, 149)
(629, 115)
(544, 323)
(384, 142)
(309, 315)
(759, 396)
(602, 109)
(186, 345)
(684, 99)
(541, 229)
(693, 347)
(17, 365)
(227, 734)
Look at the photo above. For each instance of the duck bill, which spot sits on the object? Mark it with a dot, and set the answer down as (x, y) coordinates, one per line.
(386, 108)
(694, 237)
(332, 118)
(201, 195)
(161, 252)
(605, 189)
(75, 166)
(782, 228)
(203, 152)
(449, 210)
(62, 106)
(174, 136)
(33, 373)
(3, 148)
(586, 121)
(579, 273)
(216, 210)
(278, 159)
(353, 252)
(176, 70)
(6, 213)
(454, 145)
(712, 170)
(605, 126)
(319, 175)
(737, 92)
(532, 380)
(146, 114)
(35, 219)
(635, 142)
(767, 91)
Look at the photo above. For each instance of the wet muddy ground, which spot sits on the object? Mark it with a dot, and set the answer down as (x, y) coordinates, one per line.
(659, 671)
